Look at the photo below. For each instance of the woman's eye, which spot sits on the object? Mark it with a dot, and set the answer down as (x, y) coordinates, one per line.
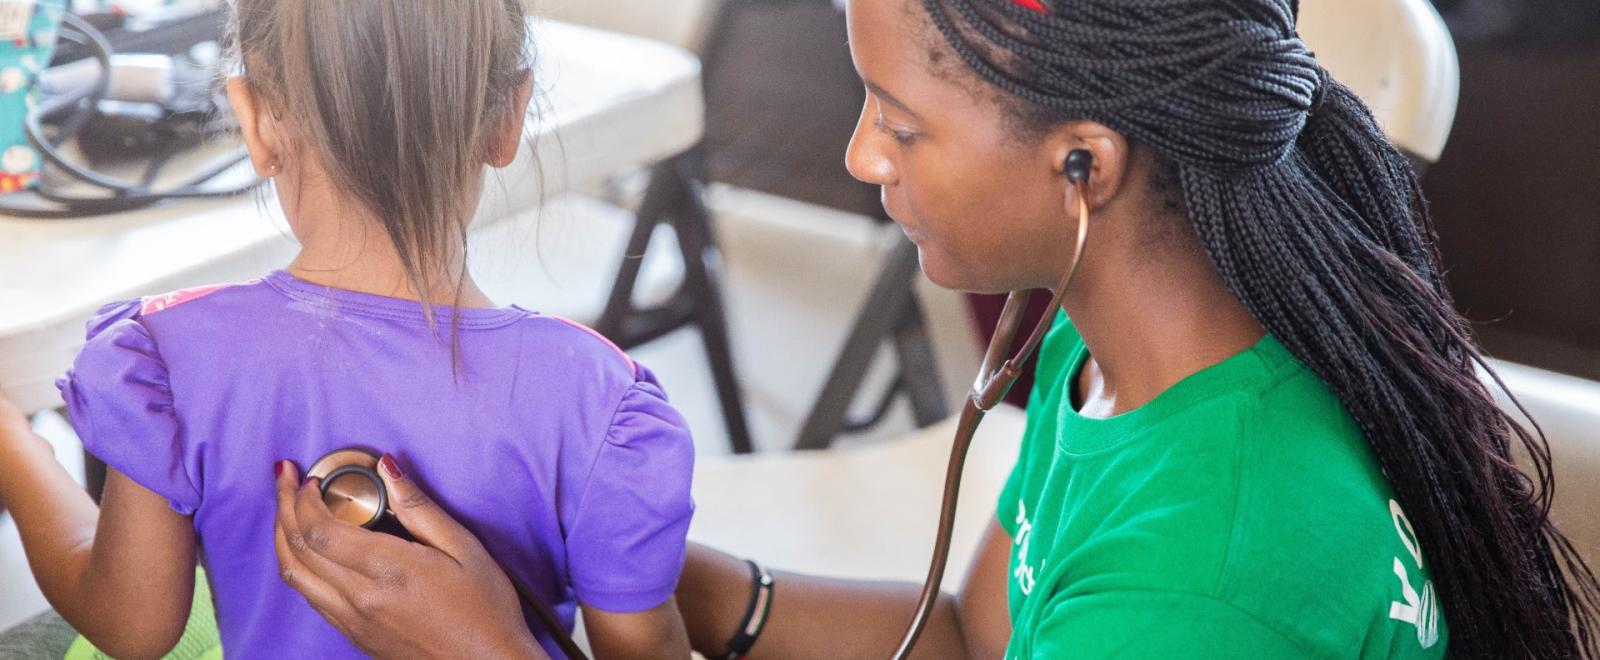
(902, 136)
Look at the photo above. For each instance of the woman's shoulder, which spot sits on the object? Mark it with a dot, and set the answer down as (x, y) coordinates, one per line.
(1315, 514)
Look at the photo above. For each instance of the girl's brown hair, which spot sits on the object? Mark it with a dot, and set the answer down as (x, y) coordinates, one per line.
(398, 102)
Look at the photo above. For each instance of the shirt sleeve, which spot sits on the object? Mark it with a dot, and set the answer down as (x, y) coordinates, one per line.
(1157, 624)
(625, 547)
(120, 403)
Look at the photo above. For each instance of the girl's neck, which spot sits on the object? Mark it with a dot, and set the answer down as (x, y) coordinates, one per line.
(386, 278)
(343, 247)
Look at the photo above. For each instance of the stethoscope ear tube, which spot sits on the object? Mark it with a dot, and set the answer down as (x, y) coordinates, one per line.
(993, 382)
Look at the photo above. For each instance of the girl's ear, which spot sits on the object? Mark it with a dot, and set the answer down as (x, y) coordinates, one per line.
(507, 137)
(257, 126)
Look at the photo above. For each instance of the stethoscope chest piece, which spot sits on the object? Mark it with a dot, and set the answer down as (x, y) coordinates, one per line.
(351, 487)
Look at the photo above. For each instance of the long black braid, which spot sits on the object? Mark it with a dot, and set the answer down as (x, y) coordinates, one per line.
(1317, 224)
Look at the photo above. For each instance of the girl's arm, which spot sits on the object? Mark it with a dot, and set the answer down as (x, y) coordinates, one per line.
(654, 633)
(122, 573)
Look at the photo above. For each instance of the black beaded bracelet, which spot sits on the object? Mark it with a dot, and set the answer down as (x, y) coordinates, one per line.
(755, 616)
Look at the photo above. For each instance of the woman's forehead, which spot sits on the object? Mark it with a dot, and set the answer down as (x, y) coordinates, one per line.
(897, 48)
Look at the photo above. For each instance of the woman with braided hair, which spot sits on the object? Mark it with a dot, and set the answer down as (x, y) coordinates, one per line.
(1259, 428)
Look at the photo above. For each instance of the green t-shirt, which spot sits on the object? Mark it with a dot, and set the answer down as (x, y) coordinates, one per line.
(1240, 514)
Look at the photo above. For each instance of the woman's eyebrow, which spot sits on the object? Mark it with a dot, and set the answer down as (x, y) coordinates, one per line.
(890, 99)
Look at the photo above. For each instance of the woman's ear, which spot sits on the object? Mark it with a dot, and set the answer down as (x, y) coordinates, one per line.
(257, 127)
(1112, 154)
(507, 139)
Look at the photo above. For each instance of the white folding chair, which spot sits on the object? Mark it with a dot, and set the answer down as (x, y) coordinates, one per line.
(1398, 56)
(1568, 410)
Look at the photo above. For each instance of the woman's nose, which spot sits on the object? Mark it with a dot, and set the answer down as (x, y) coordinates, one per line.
(866, 158)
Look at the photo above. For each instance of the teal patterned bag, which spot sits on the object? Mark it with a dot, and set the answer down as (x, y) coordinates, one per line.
(28, 31)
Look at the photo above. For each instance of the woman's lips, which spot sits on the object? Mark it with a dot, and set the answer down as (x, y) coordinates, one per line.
(912, 232)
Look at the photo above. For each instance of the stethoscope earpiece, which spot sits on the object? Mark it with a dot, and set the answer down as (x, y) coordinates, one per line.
(1079, 162)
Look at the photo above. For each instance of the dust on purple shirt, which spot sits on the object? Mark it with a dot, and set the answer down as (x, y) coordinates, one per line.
(546, 441)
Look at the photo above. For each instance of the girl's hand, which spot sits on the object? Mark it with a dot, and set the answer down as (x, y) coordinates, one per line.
(14, 426)
(16, 432)
(442, 598)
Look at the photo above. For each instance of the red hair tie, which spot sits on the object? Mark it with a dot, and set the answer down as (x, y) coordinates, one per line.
(1035, 5)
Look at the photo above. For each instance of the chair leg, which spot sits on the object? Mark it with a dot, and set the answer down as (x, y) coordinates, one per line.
(889, 312)
(703, 277)
(919, 370)
(676, 196)
(654, 206)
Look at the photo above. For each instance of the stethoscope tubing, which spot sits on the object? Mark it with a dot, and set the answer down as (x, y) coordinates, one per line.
(987, 392)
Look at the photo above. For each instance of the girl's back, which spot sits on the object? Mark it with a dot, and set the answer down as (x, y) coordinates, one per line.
(557, 450)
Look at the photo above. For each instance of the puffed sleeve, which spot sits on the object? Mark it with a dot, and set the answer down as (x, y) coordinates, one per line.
(625, 547)
(120, 403)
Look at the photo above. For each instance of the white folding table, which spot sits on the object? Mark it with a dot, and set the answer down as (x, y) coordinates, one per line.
(608, 102)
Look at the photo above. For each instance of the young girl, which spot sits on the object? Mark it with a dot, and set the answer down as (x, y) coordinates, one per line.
(375, 120)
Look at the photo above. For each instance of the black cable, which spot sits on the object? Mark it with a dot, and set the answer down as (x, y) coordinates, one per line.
(124, 196)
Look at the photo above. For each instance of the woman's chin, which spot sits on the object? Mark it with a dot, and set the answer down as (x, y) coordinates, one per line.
(947, 273)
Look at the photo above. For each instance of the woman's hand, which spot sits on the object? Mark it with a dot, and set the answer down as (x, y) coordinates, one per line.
(441, 598)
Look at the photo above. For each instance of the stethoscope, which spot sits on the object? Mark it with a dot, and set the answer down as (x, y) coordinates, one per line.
(354, 493)
(995, 379)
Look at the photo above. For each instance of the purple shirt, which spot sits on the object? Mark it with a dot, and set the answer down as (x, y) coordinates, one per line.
(547, 442)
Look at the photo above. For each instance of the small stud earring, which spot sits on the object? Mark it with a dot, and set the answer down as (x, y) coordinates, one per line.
(273, 169)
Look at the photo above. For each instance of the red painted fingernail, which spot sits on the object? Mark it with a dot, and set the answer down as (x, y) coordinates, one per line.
(390, 467)
(277, 469)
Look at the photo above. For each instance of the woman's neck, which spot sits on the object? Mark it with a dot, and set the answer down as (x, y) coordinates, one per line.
(1149, 322)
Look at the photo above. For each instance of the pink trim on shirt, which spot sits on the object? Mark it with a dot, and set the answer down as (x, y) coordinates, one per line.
(633, 367)
(152, 304)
